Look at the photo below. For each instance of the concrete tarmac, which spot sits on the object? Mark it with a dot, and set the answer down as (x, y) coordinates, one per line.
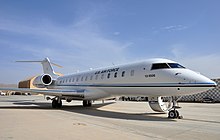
(31, 117)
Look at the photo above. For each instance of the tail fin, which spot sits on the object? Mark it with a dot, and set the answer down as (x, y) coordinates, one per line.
(47, 68)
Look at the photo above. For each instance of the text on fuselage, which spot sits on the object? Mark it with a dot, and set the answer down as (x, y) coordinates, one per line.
(107, 70)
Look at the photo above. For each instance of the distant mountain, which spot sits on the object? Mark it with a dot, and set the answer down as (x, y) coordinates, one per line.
(9, 85)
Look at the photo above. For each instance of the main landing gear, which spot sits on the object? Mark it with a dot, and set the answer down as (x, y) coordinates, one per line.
(87, 103)
(56, 103)
(173, 113)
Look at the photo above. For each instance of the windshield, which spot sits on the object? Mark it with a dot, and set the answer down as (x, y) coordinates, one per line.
(159, 66)
(175, 65)
(166, 66)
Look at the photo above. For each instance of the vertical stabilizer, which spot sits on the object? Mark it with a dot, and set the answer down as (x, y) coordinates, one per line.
(47, 68)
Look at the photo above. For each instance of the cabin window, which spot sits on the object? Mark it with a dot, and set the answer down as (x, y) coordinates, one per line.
(77, 79)
(132, 73)
(115, 75)
(86, 78)
(69, 80)
(82, 78)
(123, 74)
(108, 76)
(91, 77)
(102, 76)
(73, 80)
(159, 66)
(96, 77)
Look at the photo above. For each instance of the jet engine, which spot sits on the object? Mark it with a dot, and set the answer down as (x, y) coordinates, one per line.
(157, 104)
(43, 81)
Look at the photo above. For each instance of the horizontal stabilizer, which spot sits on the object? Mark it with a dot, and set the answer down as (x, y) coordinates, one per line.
(47, 68)
(39, 62)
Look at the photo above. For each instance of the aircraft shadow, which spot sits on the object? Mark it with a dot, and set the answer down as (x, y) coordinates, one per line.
(91, 111)
(28, 105)
(95, 111)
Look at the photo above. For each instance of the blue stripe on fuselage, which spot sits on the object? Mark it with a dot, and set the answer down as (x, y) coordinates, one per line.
(144, 85)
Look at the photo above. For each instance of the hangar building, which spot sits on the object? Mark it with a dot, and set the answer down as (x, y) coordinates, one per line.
(27, 83)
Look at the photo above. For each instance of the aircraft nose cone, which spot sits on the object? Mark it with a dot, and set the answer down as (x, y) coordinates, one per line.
(205, 82)
(208, 81)
(197, 78)
(213, 83)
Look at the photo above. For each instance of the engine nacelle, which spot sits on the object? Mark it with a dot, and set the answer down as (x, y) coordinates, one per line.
(157, 104)
(43, 81)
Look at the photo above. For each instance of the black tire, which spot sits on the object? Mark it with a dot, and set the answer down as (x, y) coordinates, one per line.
(177, 114)
(87, 103)
(172, 114)
(90, 103)
(54, 104)
(59, 104)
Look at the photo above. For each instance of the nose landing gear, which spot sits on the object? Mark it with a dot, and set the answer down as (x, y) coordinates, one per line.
(173, 113)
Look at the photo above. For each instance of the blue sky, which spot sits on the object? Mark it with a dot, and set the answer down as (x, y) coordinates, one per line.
(83, 34)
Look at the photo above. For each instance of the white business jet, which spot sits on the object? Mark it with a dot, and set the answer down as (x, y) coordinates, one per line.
(153, 78)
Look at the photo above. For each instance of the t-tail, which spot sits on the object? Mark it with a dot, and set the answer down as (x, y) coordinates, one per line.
(48, 76)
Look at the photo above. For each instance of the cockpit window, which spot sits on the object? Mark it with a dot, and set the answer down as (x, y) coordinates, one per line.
(166, 66)
(159, 66)
(175, 65)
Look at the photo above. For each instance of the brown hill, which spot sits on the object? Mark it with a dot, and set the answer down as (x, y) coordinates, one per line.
(8, 85)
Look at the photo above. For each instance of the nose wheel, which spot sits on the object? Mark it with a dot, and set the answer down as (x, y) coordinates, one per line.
(173, 114)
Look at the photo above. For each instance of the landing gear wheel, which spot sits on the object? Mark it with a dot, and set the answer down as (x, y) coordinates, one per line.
(56, 103)
(177, 114)
(87, 103)
(59, 104)
(173, 114)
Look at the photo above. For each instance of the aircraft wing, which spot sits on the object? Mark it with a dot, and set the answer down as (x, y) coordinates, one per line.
(77, 93)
